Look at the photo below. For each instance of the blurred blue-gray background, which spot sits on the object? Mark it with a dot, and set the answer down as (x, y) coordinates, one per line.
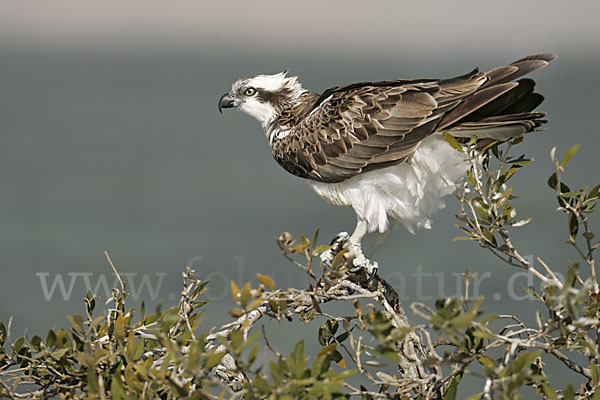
(110, 139)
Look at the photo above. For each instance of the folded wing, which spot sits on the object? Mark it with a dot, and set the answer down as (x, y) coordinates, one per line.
(370, 125)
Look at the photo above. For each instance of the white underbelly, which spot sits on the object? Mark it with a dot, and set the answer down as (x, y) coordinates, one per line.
(410, 192)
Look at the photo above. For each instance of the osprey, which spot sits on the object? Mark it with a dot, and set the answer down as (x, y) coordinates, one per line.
(377, 146)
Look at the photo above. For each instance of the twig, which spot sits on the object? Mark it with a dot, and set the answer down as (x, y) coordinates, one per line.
(267, 344)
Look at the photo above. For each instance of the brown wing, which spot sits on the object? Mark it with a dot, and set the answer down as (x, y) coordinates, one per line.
(369, 125)
(365, 126)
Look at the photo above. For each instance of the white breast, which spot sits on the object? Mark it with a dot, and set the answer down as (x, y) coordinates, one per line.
(410, 192)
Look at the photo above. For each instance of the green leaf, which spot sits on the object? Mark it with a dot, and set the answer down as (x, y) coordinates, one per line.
(92, 381)
(236, 312)
(259, 383)
(50, 337)
(342, 336)
(549, 392)
(320, 365)
(573, 226)
(524, 360)
(297, 361)
(594, 192)
(553, 181)
(452, 388)
(452, 142)
(77, 321)
(463, 320)
(388, 353)
(245, 294)
(487, 362)
(254, 304)
(307, 316)
(456, 239)
(253, 354)
(489, 317)
(236, 337)
(315, 238)
(150, 319)
(334, 325)
(119, 331)
(489, 236)
(250, 341)
(235, 291)
(471, 177)
(304, 240)
(346, 374)
(130, 346)
(213, 359)
(568, 155)
(569, 393)
(266, 281)
(327, 350)
(325, 333)
(476, 396)
(276, 373)
(96, 321)
(321, 248)
(508, 173)
(594, 371)
(117, 392)
(481, 334)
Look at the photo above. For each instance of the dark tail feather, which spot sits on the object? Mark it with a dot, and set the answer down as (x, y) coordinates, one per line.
(502, 127)
(523, 67)
(500, 109)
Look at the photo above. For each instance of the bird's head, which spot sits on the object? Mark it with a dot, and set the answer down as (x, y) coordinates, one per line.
(263, 96)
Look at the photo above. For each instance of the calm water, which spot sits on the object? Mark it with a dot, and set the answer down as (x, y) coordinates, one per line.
(126, 152)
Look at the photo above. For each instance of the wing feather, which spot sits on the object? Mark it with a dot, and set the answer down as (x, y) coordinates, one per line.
(368, 125)
(357, 128)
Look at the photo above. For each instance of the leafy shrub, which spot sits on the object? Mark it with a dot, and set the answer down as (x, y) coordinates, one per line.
(124, 353)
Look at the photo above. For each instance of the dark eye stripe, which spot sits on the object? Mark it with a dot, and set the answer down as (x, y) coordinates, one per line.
(273, 97)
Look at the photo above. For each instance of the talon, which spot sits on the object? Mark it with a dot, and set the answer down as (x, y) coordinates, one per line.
(341, 237)
(338, 243)
(370, 268)
(361, 262)
(326, 258)
(373, 272)
(355, 270)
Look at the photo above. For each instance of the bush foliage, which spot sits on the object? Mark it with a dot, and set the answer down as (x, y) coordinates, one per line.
(125, 353)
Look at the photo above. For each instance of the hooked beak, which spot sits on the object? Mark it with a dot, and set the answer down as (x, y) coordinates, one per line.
(226, 101)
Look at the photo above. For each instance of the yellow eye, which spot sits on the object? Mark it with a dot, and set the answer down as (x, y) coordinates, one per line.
(250, 91)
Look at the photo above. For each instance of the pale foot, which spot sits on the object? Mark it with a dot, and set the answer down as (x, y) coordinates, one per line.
(338, 243)
(360, 261)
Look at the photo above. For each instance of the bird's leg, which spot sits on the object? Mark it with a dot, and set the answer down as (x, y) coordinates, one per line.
(354, 244)
(355, 253)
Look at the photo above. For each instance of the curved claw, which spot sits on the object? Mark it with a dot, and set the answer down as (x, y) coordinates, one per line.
(359, 261)
(338, 243)
(370, 267)
(340, 238)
